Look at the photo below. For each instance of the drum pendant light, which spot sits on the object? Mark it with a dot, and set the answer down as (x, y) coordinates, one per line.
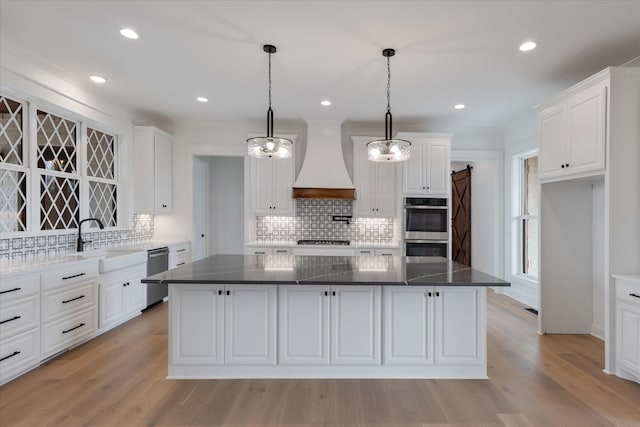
(269, 146)
(388, 149)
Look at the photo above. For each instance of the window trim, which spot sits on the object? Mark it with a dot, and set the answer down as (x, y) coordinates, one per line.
(518, 216)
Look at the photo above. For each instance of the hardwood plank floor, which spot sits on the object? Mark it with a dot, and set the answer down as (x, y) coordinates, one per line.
(118, 379)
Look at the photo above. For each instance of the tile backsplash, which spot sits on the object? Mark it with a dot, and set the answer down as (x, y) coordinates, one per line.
(38, 244)
(313, 221)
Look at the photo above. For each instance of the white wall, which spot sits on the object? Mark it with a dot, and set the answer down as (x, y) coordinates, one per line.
(597, 229)
(226, 198)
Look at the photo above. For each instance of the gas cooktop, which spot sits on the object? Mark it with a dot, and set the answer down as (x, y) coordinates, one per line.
(324, 242)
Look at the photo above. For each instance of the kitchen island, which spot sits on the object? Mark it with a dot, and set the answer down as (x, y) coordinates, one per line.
(286, 316)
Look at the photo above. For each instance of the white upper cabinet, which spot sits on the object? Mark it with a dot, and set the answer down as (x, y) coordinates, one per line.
(271, 185)
(573, 134)
(153, 170)
(376, 183)
(427, 170)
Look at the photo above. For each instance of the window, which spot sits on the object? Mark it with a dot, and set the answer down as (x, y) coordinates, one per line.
(13, 170)
(529, 217)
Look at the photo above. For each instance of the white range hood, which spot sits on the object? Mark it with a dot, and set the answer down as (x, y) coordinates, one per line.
(323, 174)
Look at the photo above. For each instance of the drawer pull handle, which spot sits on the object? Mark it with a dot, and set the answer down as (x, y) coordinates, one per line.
(10, 290)
(179, 264)
(74, 276)
(73, 299)
(281, 251)
(634, 295)
(15, 353)
(75, 327)
(10, 320)
(181, 250)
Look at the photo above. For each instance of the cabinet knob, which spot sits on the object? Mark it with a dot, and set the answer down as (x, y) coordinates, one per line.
(567, 165)
(562, 166)
(424, 188)
(164, 206)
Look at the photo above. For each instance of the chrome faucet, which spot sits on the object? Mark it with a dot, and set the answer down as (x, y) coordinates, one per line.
(80, 246)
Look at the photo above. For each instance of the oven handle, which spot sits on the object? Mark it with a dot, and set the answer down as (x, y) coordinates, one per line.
(425, 207)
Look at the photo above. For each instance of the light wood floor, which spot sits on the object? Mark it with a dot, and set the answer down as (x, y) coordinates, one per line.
(118, 379)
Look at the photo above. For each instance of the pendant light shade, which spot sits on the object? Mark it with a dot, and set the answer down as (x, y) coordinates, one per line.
(388, 149)
(269, 146)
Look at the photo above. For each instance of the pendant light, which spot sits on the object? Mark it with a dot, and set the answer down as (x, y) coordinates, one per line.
(388, 149)
(269, 146)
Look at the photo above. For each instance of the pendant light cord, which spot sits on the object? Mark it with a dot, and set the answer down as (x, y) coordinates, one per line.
(388, 84)
(388, 123)
(269, 111)
(269, 80)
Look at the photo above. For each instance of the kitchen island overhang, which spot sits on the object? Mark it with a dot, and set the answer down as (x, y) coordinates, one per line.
(286, 316)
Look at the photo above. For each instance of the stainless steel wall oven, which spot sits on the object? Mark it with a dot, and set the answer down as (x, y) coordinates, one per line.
(426, 226)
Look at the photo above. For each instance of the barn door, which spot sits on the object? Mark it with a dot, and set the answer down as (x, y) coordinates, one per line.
(461, 216)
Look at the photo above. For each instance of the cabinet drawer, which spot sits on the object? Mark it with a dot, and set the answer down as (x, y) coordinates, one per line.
(628, 292)
(70, 275)
(19, 316)
(18, 354)
(19, 287)
(64, 333)
(68, 300)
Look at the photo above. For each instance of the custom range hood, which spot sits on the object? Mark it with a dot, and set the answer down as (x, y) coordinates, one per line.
(323, 174)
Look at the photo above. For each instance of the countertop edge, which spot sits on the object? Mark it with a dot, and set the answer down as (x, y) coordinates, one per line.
(317, 282)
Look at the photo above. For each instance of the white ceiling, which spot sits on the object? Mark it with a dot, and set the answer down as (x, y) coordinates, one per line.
(447, 52)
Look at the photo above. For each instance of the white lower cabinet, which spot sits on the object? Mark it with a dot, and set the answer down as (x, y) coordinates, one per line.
(303, 325)
(238, 323)
(355, 325)
(434, 325)
(69, 306)
(319, 325)
(122, 295)
(628, 328)
(19, 325)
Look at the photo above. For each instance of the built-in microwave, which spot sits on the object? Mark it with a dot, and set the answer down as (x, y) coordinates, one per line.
(426, 218)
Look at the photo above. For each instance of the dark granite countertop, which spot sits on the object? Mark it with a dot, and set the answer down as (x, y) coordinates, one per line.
(326, 270)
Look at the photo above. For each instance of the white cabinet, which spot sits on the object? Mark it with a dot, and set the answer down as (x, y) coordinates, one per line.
(153, 170)
(355, 325)
(303, 325)
(319, 325)
(216, 324)
(179, 254)
(69, 306)
(573, 133)
(376, 183)
(378, 252)
(271, 184)
(197, 322)
(122, 295)
(250, 325)
(19, 325)
(427, 170)
(434, 325)
(268, 250)
(628, 328)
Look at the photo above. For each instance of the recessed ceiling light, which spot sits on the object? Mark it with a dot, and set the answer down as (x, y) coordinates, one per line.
(326, 102)
(459, 106)
(129, 33)
(527, 46)
(202, 99)
(98, 79)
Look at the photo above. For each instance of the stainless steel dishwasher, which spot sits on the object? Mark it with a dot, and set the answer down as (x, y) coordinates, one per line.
(157, 262)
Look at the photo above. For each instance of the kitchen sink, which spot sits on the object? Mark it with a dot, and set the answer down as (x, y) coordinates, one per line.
(114, 259)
